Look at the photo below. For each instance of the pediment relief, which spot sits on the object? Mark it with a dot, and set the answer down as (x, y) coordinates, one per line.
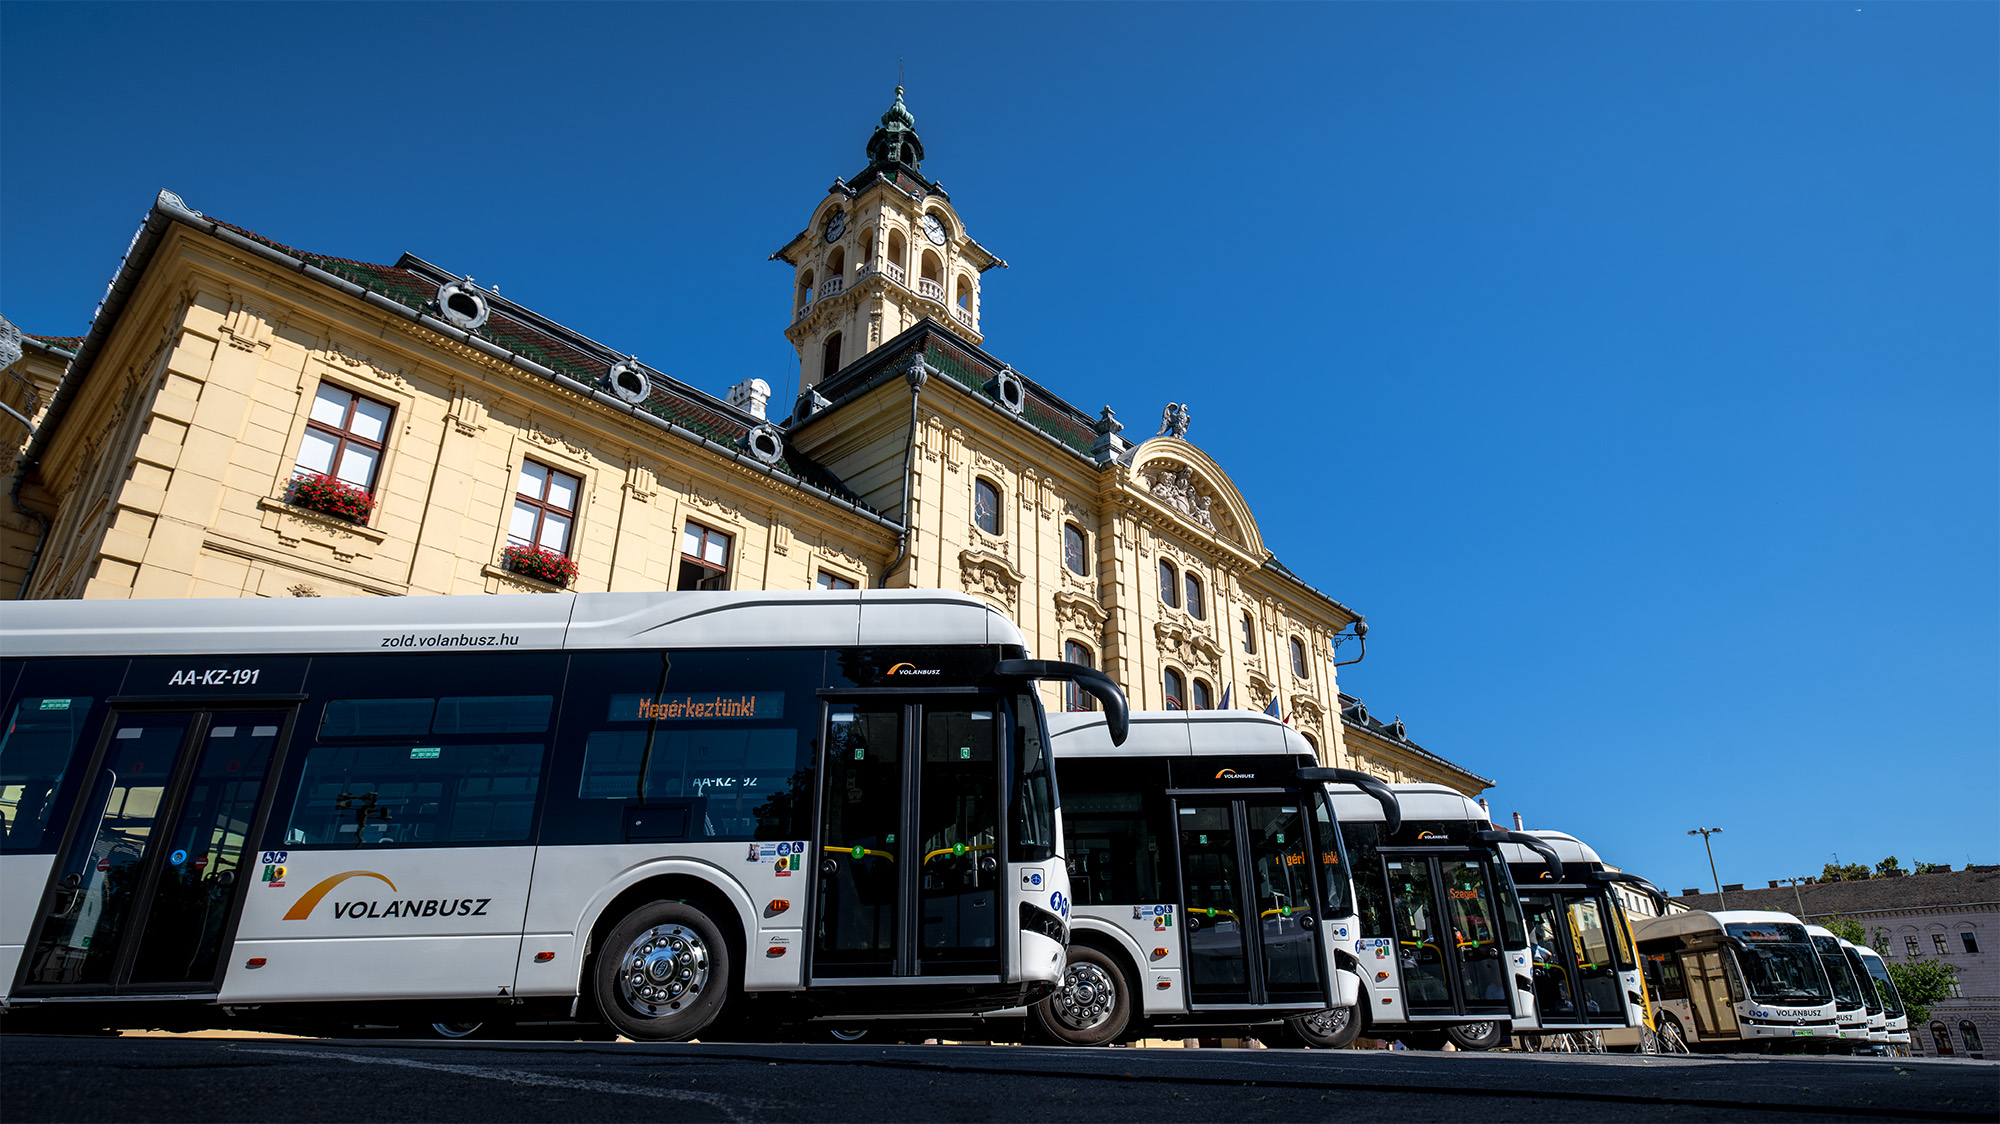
(1176, 486)
(1082, 614)
(990, 575)
(1190, 646)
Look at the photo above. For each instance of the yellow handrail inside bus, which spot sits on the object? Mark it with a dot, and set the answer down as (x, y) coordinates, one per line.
(967, 848)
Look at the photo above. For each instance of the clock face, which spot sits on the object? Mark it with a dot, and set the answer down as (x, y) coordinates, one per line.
(836, 225)
(934, 230)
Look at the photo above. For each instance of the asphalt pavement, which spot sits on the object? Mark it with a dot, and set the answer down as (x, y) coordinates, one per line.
(51, 1078)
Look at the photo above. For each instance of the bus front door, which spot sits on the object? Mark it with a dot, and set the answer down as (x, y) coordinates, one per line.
(910, 836)
(1442, 909)
(1248, 888)
(156, 859)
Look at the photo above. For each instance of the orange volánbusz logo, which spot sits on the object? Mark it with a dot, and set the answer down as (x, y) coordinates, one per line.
(913, 669)
(1231, 774)
(375, 907)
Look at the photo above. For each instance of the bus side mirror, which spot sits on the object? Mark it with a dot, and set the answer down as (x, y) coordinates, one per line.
(1117, 714)
(1392, 810)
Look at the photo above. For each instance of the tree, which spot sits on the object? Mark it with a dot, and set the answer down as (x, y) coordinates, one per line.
(1889, 868)
(1846, 929)
(1929, 868)
(1852, 872)
(1923, 982)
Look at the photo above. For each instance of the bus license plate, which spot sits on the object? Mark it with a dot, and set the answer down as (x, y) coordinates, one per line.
(1801, 1032)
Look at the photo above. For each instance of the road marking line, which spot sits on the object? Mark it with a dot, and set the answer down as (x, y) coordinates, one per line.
(734, 1107)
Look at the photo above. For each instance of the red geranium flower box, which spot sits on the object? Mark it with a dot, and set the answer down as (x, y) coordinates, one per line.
(331, 496)
(542, 565)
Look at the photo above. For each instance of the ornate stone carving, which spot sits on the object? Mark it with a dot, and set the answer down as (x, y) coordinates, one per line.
(1191, 646)
(302, 590)
(468, 414)
(542, 436)
(1306, 711)
(702, 499)
(781, 536)
(640, 483)
(1173, 420)
(1081, 613)
(987, 573)
(245, 328)
(1178, 491)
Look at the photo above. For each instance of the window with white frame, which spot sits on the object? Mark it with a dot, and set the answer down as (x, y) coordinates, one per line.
(704, 558)
(344, 438)
(544, 508)
(1910, 946)
(1937, 942)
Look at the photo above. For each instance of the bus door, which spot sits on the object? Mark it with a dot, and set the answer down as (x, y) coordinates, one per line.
(1710, 993)
(1442, 910)
(1249, 898)
(911, 847)
(144, 895)
(1576, 970)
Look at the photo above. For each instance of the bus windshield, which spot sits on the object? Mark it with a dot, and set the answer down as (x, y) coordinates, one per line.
(1892, 1000)
(1846, 989)
(1779, 965)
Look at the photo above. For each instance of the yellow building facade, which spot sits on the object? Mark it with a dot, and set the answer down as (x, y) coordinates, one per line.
(250, 419)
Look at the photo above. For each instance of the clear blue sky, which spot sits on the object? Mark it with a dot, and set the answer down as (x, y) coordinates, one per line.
(1632, 367)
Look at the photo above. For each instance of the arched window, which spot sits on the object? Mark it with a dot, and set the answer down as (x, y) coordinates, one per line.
(1311, 741)
(867, 249)
(899, 257)
(1942, 1037)
(1195, 607)
(836, 271)
(930, 281)
(963, 298)
(1202, 699)
(1076, 550)
(829, 358)
(1249, 633)
(1075, 697)
(1969, 1034)
(1170, 585)
(805, 289)
(1176, 691)
(1298, 657)
(986, 505)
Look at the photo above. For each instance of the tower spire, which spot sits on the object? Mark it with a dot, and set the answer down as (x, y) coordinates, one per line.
(895, 140)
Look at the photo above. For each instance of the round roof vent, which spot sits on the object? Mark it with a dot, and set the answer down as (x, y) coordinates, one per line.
(765, 443)
(627, 379)
(463, 305)
(1009, 390)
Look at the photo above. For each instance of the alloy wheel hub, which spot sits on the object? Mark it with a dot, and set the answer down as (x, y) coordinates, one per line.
(1086, 997)
(664, 967)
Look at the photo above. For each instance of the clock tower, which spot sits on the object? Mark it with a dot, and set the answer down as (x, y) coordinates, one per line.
(879, 254)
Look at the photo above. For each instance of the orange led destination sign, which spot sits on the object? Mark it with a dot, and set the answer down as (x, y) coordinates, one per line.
(731, 704)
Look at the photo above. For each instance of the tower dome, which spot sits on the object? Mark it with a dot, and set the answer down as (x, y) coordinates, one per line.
(895, 140)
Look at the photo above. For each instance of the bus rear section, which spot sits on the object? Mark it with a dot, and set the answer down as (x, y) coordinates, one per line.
(1732, 979)
(1442, 943)
(1586, 966)
(1211, 887)
(640, 808)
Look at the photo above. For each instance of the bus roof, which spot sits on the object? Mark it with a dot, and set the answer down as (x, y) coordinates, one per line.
(1697, 921)
(1418, 801)
(1177, 733)
(249, 625)
(1568, 848)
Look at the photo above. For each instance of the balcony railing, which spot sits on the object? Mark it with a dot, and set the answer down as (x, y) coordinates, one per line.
(896, 273)
(964, 317)
(932, 289)
(827, 288)
(805, 306)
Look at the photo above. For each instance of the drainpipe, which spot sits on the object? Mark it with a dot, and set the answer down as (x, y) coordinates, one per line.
(1361, 634)
(915, 373)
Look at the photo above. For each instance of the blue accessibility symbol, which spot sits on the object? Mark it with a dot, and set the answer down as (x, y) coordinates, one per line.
(178, 857)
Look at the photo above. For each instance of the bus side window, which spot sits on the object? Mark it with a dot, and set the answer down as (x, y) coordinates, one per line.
(1371, 893)
(1672, 984)
(56, 710)
(423, 749)
(727, 734)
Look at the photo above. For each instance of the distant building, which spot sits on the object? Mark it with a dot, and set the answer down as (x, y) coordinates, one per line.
(1953, 916)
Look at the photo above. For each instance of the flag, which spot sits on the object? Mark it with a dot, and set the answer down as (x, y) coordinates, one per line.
(1273, 710)
(1225, 695)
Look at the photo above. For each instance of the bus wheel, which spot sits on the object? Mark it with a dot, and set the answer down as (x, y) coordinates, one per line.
(1332, 1029)
(1478, 1036)
(663, 973)
(1092, 1006)
(848, 1033)
(453, 1029)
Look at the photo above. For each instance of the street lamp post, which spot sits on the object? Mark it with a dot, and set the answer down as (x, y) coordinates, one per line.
(1795, 894)
(1705, 832)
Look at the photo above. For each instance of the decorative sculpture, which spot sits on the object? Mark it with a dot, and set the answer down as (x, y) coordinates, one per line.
(1174, 420)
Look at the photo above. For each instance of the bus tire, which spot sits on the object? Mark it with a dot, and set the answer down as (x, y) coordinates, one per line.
(1335, 1028)
(1478, 1036)
(662, 973)
(452, 1030)
(1093, 1004)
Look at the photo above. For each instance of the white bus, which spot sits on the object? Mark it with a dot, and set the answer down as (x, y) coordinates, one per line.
(1736, 978)
(1586, 967)
(1850, 991)
(1211, 889)
(1442, 944)
(638, 808)
(1896, 1018)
